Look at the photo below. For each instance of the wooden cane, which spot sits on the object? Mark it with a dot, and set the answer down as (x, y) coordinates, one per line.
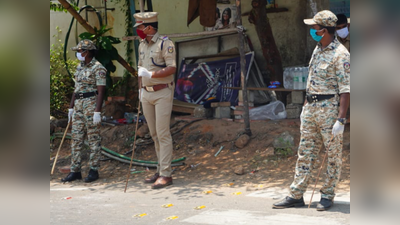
(322, 164)
(62, 140)
(133, 150)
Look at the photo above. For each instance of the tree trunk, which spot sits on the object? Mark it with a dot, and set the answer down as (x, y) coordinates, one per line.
(90, 29)
(258, 16)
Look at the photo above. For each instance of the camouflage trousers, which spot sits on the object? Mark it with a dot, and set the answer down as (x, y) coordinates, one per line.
(82, 122)
(316, 128)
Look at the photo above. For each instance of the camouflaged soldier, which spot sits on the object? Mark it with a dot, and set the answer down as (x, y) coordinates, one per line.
(324, 111)
(85, 108)
(156, 77)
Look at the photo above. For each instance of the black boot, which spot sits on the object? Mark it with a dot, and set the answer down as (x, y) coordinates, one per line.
(72, 176)
(324, 204)
(93, 175)
(288, 202)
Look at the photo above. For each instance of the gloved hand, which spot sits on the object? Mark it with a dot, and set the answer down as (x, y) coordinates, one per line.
(70, 113)
(337, 129)
(96, 118)
(143, 72)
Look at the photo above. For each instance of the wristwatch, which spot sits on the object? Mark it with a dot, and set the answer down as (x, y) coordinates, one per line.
(342, 121)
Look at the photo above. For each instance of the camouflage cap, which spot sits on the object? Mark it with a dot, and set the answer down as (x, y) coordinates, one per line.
(84, 44)
(325, 18)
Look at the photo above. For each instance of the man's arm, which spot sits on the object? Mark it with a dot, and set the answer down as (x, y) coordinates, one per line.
(344, 104)
(167, 71)
(101, 89)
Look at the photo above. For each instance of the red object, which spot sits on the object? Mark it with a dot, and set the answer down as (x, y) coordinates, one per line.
(123, 121)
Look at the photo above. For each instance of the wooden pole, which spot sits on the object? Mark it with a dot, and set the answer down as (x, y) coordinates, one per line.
(243, 67)
(58, 151)
(90, 29)
(202, 33)
(141, 6)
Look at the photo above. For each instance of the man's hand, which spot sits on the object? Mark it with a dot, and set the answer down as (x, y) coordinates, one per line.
(337, 129)
(143, 72)
(70, 113)
(96, 118)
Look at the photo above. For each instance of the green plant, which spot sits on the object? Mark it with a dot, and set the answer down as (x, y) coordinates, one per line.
(61, 84)
(106, 52)
(285, 150)
(57, 7)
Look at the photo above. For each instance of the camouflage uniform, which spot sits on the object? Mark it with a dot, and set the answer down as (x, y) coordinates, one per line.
(329, 74)
(87, 78)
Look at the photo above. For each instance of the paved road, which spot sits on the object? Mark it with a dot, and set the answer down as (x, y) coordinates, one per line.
(108, 204)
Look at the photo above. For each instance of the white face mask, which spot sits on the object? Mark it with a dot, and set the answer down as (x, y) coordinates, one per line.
(80, 57)
(344, 32)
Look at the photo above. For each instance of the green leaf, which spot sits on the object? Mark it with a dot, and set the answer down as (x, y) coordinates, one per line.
(87, 35)
(114, 40)
(105, 43)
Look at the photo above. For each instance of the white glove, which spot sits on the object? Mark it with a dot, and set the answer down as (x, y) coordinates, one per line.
(96, 118)
(338, 128)
(70, 113)
(143, 72)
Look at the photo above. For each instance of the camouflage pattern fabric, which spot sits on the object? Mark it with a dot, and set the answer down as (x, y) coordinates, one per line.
(329, 74)
(85, 44)
(325, 18)
(316, 128)
(88, 77)
(82, 122)
(329, 70)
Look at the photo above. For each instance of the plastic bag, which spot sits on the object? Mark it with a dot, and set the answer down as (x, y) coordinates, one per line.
(273, 111)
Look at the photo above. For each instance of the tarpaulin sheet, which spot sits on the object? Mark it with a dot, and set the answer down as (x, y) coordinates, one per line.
(199, 81)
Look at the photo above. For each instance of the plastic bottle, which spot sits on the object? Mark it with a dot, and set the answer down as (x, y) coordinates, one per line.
(296, 80)
(287, 78)
(305, 75)
(300, 75)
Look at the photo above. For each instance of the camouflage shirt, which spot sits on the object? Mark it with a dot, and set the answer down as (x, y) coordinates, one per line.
(89, 76)
(329, 70)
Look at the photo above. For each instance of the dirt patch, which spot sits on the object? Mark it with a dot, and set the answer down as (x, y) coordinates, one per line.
(199, 142)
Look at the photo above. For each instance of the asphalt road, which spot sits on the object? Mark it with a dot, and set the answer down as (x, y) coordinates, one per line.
(75, 203)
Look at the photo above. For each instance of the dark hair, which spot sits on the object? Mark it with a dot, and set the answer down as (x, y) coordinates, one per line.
(341, 19)
(154, 25)
(228, 10)
(218, 12)
(331, 30)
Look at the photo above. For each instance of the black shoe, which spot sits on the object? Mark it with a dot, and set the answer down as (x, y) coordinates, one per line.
(72, 176)
(93, 175)
(324, 204)
(288, 202)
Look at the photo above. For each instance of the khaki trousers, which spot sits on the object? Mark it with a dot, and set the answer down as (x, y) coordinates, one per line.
(157, 108)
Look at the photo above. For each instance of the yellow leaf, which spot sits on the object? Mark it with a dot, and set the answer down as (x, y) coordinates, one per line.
(237, 193)
(200, 207)
(172, 217)
(167, 205)
(139, 215)
(207, 192)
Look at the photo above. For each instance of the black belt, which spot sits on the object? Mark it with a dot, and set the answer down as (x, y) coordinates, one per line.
(317, 98)
(85, 95)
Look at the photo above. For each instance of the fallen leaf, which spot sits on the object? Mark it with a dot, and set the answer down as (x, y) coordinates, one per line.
(200, 207)
(139, 215)
(237, 193)
(172, 217)
(167, 205)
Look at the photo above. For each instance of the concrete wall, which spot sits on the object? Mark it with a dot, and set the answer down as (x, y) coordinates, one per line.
(116, 19)
(291, 34)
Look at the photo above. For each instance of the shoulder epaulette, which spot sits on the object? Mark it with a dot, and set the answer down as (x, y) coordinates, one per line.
(165, 38)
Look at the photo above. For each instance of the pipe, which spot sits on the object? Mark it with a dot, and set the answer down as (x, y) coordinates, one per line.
(109, 151)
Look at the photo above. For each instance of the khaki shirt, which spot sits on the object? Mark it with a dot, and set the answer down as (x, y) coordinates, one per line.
(89, 76)
(153, 58)
(329, 70)
(345, 42)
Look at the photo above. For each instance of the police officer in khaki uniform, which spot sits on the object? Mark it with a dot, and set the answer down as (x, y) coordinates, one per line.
(324, 111)
(156, 77)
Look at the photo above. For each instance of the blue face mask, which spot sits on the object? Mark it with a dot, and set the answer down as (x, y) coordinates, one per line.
(314, 35)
